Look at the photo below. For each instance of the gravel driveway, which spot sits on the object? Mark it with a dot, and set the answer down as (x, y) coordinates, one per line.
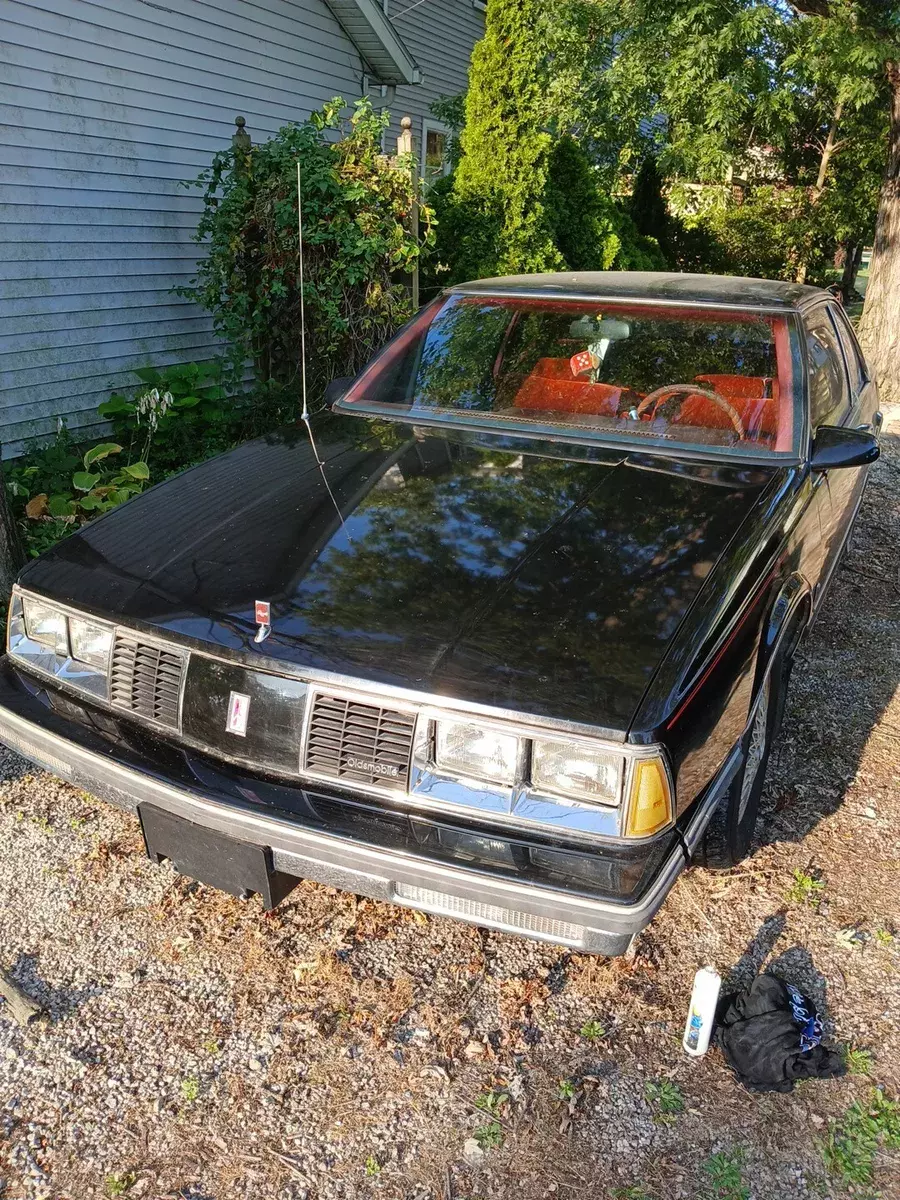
(344, 1048)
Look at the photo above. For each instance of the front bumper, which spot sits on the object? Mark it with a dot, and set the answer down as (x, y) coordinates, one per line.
(559, 915)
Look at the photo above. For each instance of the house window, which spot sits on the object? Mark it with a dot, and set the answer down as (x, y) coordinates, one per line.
(435, 141)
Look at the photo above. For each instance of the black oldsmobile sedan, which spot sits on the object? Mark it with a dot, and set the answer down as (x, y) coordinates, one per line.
(504, 636)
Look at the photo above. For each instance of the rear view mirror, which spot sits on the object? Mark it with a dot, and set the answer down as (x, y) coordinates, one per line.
(608, 329)
(834, 446)
(336, 389)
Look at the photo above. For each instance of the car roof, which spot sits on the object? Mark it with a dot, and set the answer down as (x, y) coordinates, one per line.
(655, 286)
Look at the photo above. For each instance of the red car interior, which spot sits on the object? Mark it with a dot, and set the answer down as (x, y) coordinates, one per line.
(551, 387)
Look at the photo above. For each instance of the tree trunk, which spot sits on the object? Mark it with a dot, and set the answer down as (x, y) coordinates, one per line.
(824, 163)
(12, 557)
(852, 259)
(879, 326)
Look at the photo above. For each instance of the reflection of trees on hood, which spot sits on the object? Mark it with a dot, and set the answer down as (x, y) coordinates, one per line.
(563, 568)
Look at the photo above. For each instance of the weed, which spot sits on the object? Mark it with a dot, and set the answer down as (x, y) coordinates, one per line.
(725, 1176)
(806, 889)
(492, 1102)
(883, 936)
(566, 1089)
(592, 1031)
(118, 1184)
(76, 823)
(211, 1046)
(373, 1167)
(489, 1137)
(665, 1096)
(43, 824)
(858, 1062)
(190, 1088)
(849, 1148)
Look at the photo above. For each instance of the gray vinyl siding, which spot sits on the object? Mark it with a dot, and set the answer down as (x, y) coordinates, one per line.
(106, 106)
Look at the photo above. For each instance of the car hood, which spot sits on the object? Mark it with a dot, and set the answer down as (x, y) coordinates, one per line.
(540, 578)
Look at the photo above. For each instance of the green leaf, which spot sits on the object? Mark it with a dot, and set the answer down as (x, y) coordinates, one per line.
(91, 503)
(137, 470)
(186, 402)
(83, 481)
(102, 451)
(148, 375)
(60, 506)
(115, 404)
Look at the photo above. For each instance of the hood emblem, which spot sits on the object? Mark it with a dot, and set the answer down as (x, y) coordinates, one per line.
(263, 620)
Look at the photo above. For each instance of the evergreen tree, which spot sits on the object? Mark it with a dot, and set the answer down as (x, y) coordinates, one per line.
(648, 207)
(502, 176)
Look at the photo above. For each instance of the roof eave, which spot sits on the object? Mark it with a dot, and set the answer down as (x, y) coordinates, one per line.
(379, 44)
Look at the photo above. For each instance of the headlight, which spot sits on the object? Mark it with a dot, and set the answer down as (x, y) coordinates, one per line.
(577, 770)
(476, 751)
(47, 639)
(90, 643)
(46, 625)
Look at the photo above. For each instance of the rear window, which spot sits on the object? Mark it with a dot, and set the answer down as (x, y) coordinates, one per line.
(578, 369)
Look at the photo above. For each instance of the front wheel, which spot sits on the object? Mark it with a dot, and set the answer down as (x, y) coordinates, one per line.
(730, 831)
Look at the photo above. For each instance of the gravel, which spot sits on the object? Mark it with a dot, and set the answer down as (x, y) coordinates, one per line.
(199, 1048)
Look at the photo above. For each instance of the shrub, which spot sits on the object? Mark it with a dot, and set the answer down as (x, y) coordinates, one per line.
(356, 207)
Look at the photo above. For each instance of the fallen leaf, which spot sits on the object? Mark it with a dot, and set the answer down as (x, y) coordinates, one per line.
(37, 507)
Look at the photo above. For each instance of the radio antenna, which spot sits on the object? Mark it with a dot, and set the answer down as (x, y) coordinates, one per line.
(304, 415)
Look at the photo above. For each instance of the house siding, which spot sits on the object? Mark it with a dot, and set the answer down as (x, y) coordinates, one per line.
(106, 106)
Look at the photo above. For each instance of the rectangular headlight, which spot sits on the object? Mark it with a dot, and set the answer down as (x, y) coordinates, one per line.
(576, 770)
(46, 624)
(90, 643)
(476, 751)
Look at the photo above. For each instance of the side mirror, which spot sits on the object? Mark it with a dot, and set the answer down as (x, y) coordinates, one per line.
(835, 446)
(336, 389)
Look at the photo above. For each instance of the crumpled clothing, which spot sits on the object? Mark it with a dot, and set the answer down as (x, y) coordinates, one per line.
(771, 1035)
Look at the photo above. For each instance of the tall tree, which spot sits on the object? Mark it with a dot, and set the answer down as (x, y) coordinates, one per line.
(11, 554)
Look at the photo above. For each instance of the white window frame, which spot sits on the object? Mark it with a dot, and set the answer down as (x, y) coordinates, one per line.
(429, 124)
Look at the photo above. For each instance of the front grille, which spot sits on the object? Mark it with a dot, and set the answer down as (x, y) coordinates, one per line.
(146, 679)
(363, 743)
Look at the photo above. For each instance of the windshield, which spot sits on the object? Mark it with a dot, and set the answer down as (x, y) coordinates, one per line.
(697, 377)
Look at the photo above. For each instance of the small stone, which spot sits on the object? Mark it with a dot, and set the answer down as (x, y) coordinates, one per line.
(255, 1065)
(817, 1120)
(472, 1153)
(870, 812)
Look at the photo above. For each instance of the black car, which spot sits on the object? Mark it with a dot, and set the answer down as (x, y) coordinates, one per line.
(505, 635)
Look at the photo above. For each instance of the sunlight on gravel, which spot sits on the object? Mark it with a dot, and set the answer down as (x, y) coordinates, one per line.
(340, 1048)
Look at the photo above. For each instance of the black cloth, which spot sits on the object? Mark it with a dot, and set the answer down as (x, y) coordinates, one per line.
(770, 1034)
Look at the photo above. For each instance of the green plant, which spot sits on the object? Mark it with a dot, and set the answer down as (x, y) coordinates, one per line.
(858, 1062)
(883, 936)
(117, 1184)
(665, 1096)
(566, 1089)
(492, 1102)
(725, 1175)
(179, 415)
(373, 1167)
(805, 889)
(356, 207)
(490, 1136)
(593, 1031)
(849, 1148)
(190, 1088)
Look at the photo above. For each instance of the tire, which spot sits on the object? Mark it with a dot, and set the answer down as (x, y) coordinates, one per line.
(730, 831)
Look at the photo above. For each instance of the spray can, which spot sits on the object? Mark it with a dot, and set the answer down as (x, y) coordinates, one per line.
(702, 1012)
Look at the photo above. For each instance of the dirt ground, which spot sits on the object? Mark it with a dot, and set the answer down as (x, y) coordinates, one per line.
(343, 1048)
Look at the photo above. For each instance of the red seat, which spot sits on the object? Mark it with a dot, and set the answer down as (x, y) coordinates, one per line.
(551, 387)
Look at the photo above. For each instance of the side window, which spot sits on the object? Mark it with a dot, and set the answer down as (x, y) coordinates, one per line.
(829, 396)
(856, 364)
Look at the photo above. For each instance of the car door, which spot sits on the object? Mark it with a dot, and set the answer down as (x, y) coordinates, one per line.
(831, 402)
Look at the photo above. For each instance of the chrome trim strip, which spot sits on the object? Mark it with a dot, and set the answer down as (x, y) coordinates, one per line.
(560, 294)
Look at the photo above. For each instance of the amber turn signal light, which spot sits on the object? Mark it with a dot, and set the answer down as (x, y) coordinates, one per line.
(650, 807)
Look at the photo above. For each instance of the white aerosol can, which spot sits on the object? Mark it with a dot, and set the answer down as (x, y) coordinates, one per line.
(702, 1013)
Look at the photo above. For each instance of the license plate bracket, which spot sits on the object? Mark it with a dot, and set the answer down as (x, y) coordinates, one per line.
(229, 864)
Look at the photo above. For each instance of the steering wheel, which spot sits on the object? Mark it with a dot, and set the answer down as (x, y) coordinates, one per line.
(661, 394)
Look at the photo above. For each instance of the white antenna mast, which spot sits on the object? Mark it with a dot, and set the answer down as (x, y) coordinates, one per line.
(304, 415)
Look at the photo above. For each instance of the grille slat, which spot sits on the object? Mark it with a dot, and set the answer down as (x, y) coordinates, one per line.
(364, 743)
(146, 680)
